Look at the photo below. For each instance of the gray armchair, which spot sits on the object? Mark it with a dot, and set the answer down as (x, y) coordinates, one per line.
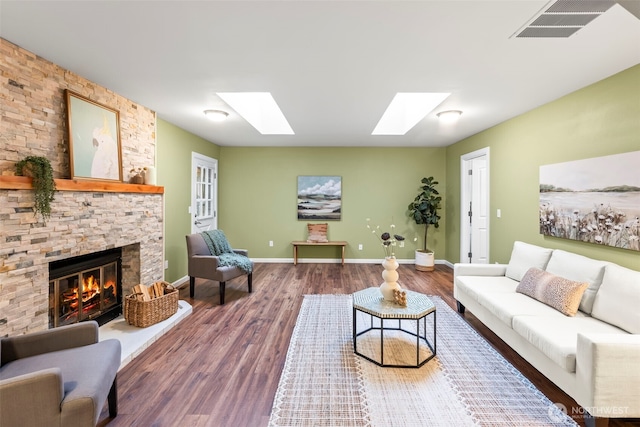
(204, 265)
(58, 377)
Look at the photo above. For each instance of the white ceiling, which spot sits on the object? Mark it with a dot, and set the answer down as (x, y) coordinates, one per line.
(332, 66)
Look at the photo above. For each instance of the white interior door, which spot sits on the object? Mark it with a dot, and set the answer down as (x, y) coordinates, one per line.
(474, 245)
(204, 193)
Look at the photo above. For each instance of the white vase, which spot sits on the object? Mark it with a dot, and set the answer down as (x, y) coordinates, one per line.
(390, 276)
(150, 176)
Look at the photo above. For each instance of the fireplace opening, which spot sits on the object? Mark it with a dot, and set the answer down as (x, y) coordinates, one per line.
(86, 287)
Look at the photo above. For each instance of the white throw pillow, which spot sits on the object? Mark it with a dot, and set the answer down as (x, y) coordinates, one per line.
(618, 299)
(580, 269)
(525, 256)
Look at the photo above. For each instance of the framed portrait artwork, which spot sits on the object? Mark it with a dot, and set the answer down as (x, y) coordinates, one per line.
(94, 139)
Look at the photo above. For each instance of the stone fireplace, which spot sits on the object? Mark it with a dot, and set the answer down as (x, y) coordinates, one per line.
(81, 223)
(86, 216)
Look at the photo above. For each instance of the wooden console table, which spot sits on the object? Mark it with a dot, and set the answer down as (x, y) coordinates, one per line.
(305, 243)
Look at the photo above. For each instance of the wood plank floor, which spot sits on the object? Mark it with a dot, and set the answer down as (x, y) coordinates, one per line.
(221, 365)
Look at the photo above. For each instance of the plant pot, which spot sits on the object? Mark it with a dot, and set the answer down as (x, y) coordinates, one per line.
(425, 261)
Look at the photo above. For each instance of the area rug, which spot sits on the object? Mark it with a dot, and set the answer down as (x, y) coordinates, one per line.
(468, 383)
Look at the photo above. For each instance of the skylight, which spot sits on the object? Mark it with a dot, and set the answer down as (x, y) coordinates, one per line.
(260, 110)
(406, 110)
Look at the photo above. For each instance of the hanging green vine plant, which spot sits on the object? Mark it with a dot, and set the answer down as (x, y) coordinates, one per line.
(39, 168)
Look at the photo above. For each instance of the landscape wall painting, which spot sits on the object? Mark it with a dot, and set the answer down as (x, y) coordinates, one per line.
(593, 200)
(319, 197)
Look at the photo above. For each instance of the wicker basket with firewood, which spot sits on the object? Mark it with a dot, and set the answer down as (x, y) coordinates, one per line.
(148, 305)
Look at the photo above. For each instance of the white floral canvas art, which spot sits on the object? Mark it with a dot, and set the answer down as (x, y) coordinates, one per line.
(593, 200)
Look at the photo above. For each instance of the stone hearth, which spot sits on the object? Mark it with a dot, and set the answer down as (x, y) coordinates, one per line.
(135, 340)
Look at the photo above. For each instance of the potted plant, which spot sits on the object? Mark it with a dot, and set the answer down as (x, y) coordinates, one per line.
(40, 170)
(424, 211)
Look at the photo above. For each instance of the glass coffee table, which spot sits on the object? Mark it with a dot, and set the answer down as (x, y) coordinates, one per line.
(419, 307)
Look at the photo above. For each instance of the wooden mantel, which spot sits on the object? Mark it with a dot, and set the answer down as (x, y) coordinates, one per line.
(24, 183)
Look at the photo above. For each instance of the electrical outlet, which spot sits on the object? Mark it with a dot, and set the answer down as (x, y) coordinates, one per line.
(271, 243)
(401, 243)
(360, 247)
(166, 264)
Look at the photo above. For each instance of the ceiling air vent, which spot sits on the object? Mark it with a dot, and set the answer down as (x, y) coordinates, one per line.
(562, 18)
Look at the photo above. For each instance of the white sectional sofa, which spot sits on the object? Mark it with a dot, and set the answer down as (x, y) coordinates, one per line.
(593, 356)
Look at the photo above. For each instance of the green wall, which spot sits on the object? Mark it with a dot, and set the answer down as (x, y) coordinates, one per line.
(173, 166)
(257, 185)
(598, 120)
(258, 188)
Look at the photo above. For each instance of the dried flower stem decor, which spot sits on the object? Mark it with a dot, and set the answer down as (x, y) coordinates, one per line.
(387, 240)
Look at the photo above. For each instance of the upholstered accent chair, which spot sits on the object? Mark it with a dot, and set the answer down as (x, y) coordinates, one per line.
(201, 263)
(58, 377)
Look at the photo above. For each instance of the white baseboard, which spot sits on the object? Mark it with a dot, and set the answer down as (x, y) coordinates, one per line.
(447, 263)
(181, 282)
(338, 261)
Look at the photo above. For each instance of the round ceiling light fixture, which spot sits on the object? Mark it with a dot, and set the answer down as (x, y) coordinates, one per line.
(216, 115)
(449, 116)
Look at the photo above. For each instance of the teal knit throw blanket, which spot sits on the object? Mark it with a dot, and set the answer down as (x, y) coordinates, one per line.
(219, 246)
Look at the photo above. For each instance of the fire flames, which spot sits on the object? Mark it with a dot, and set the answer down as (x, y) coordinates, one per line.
(90, 288)
(84, 294)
